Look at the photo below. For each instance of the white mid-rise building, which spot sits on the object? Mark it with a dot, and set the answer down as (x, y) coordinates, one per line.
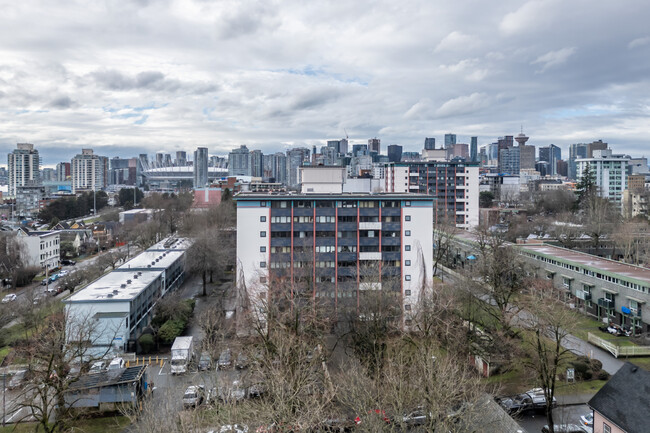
(610, 172)
(332, 249)
(41, 249)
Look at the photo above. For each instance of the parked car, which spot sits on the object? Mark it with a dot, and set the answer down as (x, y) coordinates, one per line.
(44, 282)
(587, 419)
(225, 359)
(97, 367)
(566, 428)
(233, 393)
(63, 273)
(116, 363)
(194, 396)
(533, 399)
(242, 361)
(67, 262)
(17, 379)
(9, 298)
(377, 412)
(231, 428)
(205, 361)
(416, 417)
(38, 298)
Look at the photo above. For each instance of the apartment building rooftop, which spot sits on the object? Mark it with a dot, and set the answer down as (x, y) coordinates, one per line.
(597, 264)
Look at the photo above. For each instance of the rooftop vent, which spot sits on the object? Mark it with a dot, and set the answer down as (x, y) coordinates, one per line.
(139, 272)
(110, 295)
(128, 281)
(135, 277)
(115, 292)
(148, 266)
(122, 286)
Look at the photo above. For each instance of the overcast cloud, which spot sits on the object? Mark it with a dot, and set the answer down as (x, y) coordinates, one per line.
(125, 77)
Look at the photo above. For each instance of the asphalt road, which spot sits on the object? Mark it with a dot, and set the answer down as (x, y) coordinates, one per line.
(534, 421)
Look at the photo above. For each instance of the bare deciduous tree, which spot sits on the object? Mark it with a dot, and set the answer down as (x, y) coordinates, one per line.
(547, 323)
(51, 352)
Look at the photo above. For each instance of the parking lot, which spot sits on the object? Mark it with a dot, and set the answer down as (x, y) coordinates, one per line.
(534, 421)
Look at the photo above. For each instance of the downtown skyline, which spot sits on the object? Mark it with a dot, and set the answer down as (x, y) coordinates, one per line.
(135, 77)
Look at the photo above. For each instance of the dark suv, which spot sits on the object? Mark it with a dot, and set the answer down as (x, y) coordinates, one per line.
(529, 400)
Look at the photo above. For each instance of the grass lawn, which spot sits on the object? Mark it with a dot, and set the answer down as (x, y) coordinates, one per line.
(585, 325)
(641, 361)
(590, 386)
(113, 424)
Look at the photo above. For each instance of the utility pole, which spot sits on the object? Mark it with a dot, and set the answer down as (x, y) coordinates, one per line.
(135, 198)
(94, 200)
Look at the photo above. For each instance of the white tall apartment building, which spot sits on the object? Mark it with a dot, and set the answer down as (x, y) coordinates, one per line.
(23, 167)
(610, 172)
(89, 171)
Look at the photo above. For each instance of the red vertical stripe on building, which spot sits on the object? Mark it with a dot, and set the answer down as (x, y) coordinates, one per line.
(291, 272)
(358, 252)
(336, 257)
(313, 295)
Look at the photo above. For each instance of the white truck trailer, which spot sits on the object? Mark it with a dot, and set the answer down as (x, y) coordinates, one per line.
(182, 353)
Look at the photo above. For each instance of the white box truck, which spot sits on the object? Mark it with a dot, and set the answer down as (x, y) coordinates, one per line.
(182, 353)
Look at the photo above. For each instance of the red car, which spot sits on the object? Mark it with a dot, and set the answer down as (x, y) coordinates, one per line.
(379, 412)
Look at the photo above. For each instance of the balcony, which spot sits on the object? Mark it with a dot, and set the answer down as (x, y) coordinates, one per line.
(585, 296)
(606, 303)
(369, 256)
(369, 226)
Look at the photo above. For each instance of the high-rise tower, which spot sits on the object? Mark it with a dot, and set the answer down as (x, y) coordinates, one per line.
(23, 166)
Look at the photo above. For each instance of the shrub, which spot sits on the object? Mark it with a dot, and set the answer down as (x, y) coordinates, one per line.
(603, 375)
(595, 365)
(170, 330)
(146, 343)
(587, 375)
(580, 367)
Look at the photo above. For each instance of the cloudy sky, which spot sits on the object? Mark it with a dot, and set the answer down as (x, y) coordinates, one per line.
(126, 77)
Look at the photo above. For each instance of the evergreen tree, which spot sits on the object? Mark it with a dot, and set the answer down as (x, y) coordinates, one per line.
(586, 187)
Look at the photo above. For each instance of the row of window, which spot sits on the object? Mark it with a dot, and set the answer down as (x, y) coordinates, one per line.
(332, 219)
(331, 203)
(332, 249)
(340, 234)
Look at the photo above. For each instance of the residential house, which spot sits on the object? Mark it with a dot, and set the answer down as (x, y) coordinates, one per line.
(40, 248)
(623, 404)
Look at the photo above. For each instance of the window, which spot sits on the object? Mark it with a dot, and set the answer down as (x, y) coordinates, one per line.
(407, 233)
(407, 248)
(407, 218)
(606, 428)
(407, 307)
(407, 293)
(263, 234)
(263, 280)
(407, 277)
(262, 249)
(407, 263)
(262, 219)
(407, 203)
(262, 204)
(262, 264)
